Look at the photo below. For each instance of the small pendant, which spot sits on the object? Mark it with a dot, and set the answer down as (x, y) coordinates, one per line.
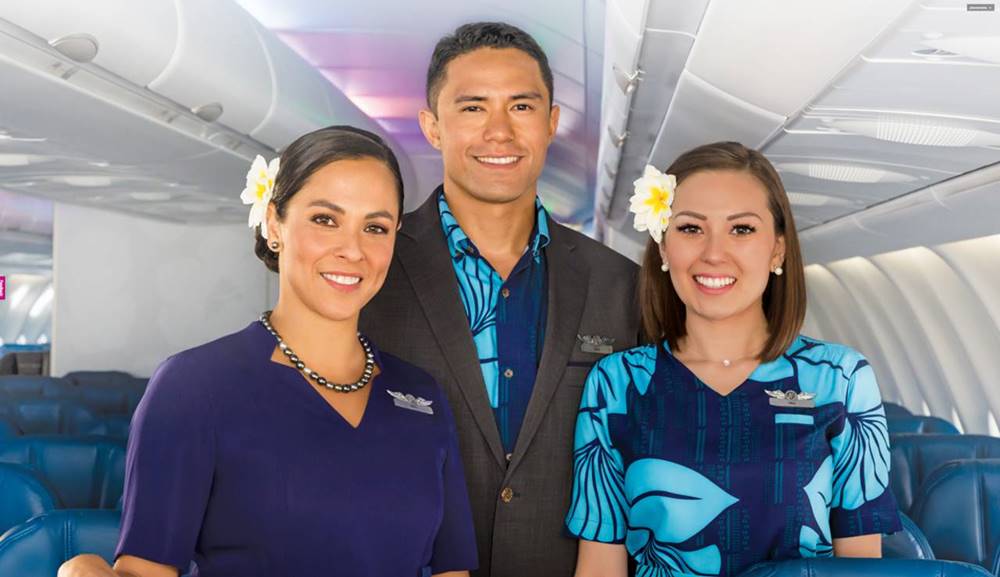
(726, 363)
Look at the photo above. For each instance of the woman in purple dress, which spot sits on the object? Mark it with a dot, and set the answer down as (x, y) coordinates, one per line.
(293, 447)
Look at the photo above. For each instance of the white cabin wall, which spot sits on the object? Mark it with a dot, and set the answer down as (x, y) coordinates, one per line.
(130, 291)
(927, 318)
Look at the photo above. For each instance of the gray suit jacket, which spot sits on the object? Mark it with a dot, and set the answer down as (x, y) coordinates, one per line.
(418, 316)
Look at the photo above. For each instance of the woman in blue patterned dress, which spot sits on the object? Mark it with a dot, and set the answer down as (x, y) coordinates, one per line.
(731, 439)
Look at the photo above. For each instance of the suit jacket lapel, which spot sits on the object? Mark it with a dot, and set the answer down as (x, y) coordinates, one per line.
(423, 253)
(568, 284)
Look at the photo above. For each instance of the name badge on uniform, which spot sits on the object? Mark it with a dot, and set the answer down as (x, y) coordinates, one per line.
(791, 399)
(407, 401)
(596, 344)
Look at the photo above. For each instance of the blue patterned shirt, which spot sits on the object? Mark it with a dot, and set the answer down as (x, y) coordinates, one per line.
(507, 318)
(696, 483)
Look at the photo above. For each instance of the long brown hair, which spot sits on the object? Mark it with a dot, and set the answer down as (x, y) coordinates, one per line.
(784, 300)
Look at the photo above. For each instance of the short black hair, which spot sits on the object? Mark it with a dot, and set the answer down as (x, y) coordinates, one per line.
(470, 37)
(311, 152)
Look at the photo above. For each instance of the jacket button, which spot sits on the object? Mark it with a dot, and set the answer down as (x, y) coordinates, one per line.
(507, 495)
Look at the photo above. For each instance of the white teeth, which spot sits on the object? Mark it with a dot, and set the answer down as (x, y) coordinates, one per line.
(349, 280)
(714, 282)
(497, 159)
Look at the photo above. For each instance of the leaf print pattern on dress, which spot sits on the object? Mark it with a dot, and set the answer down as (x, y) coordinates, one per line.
(669, 504)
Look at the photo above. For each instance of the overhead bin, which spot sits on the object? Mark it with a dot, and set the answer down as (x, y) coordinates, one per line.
(136, 40)
(218, 59)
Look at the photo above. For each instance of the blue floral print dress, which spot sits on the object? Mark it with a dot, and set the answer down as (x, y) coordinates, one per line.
(696, 483)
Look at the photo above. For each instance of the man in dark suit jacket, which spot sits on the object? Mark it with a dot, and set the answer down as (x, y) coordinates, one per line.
(490, 113)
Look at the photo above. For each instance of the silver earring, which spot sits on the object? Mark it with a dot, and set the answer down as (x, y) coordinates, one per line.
(275, 245)
(664, 267)
(778, 271)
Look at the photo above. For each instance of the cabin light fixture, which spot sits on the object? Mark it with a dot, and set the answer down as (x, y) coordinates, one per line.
(845, 172)
(80, 48)
(9, 160)
(918, 130)
(811, 199)
(986, 48)
(86, 180)
(150, 196)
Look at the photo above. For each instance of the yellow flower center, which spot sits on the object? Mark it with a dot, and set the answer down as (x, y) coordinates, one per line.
(659, 199)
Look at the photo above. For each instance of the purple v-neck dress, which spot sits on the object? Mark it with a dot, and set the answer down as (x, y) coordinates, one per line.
(237, 463)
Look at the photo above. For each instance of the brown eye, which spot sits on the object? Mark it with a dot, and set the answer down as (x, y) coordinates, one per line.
(743, 229)
(324, 219)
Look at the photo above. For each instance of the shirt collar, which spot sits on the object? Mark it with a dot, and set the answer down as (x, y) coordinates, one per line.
(459, 243)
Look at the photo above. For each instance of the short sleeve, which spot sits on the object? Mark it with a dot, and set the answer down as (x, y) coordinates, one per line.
(598, 506)
(168, 467)
(862, 503)
(455, 542)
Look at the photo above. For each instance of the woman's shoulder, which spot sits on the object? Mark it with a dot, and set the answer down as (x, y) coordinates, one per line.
(612, 375)
(204, 364)
(823, 353)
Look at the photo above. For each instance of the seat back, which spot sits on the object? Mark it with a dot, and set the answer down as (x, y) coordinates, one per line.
(99, 378)
(41, 545)
(49, 416)
(921, 425)
(958, 509)
(8, 428)
(914, 457)
(910, 543)
(84, 473)
(844, 567)
(894, 411)
(33, 386)
(22, 496)
(114, 426)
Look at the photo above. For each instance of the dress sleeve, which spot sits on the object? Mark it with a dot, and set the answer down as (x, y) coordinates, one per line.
(168, 467)
(455, 542)
(598, 506)
(862, 503)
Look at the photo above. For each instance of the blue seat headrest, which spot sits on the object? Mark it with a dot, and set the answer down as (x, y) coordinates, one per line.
(921, 425)
(22, 496)
(99, 378)
(910, 543)
(846, 567)
(34, 386)
(8, 428)
(958, 508)
(49, 416)
(894, 411)
(914, 458)
(85, 473)
(41, 545)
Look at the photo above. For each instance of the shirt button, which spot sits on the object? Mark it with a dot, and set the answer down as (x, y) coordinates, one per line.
(507, 495)
(505, 292)
(509, 373)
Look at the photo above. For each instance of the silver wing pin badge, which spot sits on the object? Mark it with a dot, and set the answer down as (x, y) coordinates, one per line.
(408, 401)
(596, 344)
(791, 398)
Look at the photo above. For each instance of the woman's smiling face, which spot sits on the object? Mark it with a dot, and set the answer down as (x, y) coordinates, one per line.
(721, 244)
(337, 237)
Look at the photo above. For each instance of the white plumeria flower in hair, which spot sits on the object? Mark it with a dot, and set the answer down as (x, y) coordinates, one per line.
(654, 193)
(258, 191)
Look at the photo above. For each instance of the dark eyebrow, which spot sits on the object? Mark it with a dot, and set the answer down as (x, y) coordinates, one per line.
(742, 214)
(469, 98)
(692, 214)
(527, 96)
(339, 210)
